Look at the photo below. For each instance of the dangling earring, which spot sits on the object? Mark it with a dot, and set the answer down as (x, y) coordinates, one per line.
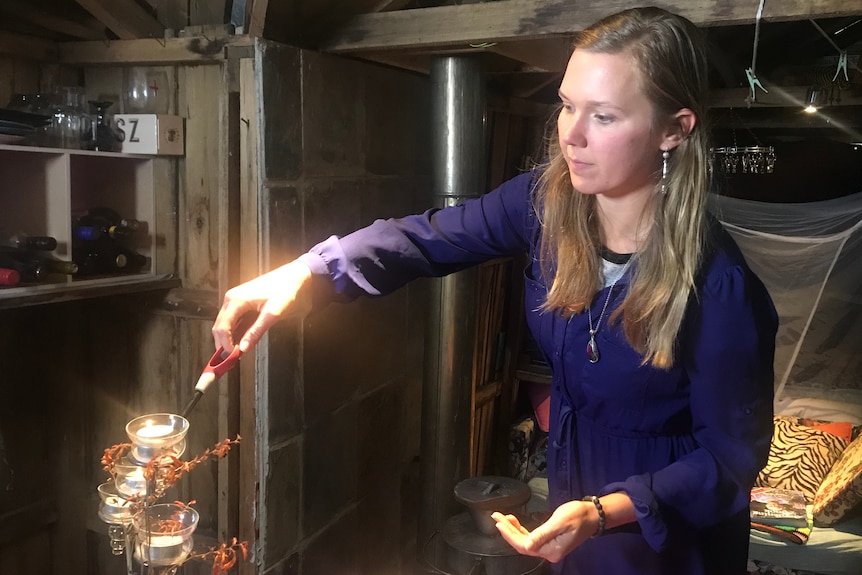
(664, 156)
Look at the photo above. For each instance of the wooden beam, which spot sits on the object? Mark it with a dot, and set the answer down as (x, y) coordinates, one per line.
(125, 18)
(531, 19)
(255, 18)
(28, 47)
(193, 50)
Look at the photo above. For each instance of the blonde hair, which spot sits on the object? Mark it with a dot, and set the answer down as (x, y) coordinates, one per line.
(671, 57)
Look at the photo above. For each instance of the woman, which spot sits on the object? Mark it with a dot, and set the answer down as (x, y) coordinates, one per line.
(659, 337)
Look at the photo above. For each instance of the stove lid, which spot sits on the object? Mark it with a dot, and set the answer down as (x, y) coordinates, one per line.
(492, 490)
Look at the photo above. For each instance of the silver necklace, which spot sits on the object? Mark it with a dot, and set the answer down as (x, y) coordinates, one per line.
(592, 347)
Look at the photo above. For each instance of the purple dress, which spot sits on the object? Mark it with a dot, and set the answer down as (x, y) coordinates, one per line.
(685, 444)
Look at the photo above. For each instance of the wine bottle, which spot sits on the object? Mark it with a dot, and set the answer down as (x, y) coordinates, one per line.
(114, 217)
(9, 277)
(28, 242)
(102, 224)
(35, 266)
(135, 261)
(99, 260)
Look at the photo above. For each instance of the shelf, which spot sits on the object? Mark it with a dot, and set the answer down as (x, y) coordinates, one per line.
(45, 189)
(84, 289)
(94, 153)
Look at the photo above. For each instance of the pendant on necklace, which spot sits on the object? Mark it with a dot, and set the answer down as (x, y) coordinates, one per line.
(592, 348)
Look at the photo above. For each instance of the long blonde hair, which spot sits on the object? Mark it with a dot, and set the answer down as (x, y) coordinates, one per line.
(670, 55)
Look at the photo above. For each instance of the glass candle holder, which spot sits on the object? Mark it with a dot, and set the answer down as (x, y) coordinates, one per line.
(113, 509)
(142, 454)
(164, 534)
(157, 434)
(129, 479)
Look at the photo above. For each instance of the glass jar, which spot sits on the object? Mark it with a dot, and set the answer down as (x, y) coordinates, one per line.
(71, 126)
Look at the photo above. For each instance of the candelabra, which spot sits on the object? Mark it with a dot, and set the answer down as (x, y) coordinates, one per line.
(743, 159)
(156, 535)
(735, 159)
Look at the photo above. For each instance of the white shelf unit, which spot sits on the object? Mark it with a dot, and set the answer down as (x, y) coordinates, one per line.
(42, 189)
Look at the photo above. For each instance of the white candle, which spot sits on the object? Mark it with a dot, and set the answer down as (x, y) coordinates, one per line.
(134, 482)
(165, 540)
(167, 549)
(155, 430)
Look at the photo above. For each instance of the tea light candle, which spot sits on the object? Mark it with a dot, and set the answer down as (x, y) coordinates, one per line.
(134, 482)
(165, 540)
(153, 431)
(167, 549)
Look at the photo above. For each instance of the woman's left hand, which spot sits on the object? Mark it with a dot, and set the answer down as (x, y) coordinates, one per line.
(568, 527)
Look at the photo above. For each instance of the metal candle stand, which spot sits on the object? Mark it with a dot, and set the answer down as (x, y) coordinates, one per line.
(141, 535)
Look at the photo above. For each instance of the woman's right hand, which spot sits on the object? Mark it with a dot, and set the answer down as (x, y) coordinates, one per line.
(567, 528)
(270, 296)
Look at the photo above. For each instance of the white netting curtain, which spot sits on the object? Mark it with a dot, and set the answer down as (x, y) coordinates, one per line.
(809, 255)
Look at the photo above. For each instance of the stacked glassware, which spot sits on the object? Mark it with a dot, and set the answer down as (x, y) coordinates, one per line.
(157, 534)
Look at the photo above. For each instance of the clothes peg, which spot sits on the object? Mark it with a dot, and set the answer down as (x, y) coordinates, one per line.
(842, 66)
(753, 83)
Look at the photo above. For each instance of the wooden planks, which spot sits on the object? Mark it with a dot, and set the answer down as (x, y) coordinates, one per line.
(530, 19)
(192, 50)
(201, 97)
(255, 16)
(247, 482)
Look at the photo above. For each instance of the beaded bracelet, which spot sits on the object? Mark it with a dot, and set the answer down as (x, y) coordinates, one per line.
(600, 529)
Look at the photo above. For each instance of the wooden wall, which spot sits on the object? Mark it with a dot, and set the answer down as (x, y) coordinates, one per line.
(343, 143)
(76, 372)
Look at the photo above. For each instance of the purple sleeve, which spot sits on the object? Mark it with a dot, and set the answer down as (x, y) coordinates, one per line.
(727, 348)
(389, 253)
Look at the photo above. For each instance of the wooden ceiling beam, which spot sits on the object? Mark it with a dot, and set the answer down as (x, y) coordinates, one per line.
(255, 16)
(125, 18)
(467, 24)
(191, 50)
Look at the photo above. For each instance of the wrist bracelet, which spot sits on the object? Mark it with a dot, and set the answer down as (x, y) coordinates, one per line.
(600, 528)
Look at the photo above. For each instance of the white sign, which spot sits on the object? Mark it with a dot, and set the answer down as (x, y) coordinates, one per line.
(151, 134)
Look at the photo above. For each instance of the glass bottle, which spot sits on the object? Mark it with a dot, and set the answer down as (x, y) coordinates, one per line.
(98, 259)
(71, 125)
(104, 223)
(34, 266)
(28, 242)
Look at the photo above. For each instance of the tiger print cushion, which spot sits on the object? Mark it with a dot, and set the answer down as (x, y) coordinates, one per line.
(799, 457)
(841, 490)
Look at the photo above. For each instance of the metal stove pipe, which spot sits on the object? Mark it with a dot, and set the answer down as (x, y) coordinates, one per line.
(459, 172)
